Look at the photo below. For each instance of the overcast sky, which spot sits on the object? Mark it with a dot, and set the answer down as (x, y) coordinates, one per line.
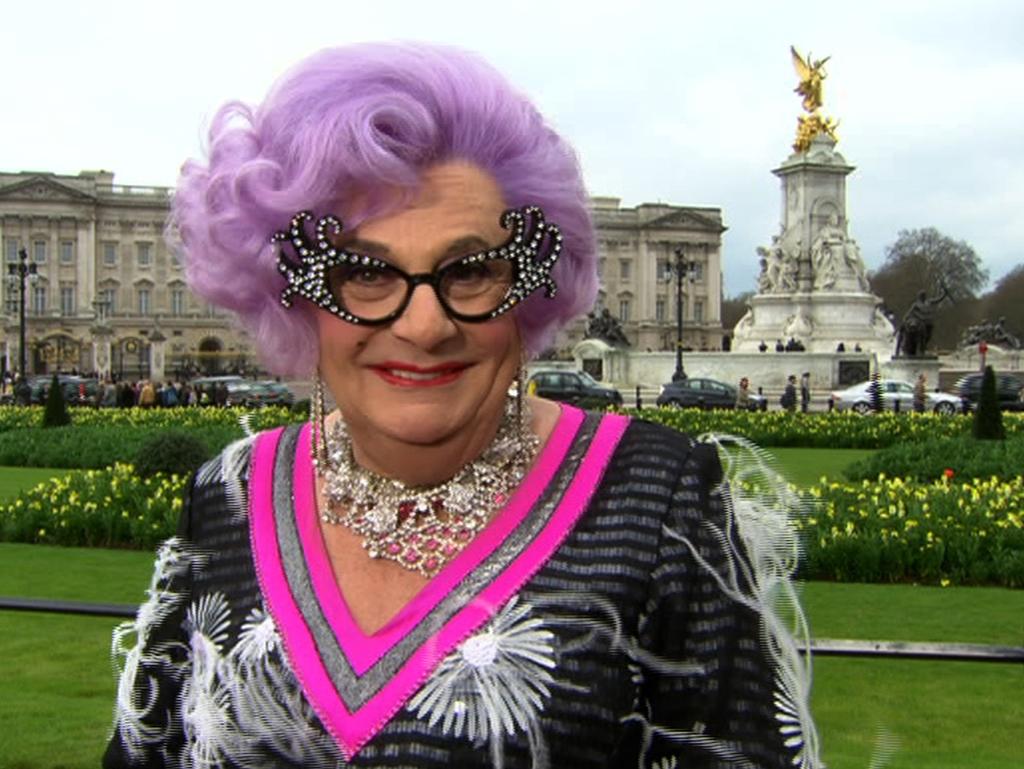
(675, 102)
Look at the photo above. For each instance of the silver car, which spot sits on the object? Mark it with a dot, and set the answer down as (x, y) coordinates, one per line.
(896, 396)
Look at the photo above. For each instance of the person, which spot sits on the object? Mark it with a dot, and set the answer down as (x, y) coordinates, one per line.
(805, 391)
(920, 393)
(441, 571)
(788, 398)
(743, 395)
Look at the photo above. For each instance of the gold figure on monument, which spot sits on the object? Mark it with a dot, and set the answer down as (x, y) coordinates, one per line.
(811, 74)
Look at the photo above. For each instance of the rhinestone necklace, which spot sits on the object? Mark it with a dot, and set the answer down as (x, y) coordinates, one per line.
(422, 528)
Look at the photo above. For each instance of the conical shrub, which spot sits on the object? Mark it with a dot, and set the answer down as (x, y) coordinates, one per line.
(988, 419)
(56, 411)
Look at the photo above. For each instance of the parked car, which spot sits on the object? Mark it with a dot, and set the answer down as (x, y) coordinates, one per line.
(269, 393)
(704, 393)
(896, 396)
(239, 390)
(576, 387)
(78, 391)
(1009, 391)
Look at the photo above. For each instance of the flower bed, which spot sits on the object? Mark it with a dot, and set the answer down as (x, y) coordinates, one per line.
(891, 530)
(113, 507)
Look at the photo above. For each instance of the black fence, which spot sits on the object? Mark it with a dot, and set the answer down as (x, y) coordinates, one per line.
(822, 647)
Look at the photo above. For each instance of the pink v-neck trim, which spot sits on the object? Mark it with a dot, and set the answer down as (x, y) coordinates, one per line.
(362, 649)
(352, 729)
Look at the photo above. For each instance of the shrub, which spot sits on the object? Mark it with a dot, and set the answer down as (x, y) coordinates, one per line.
(98, 445)
(875, 394)
(930, 459)
(56, 412)
(171, 452)
(988, 419)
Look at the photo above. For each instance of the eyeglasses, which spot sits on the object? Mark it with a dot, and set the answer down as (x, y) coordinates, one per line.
(366, 290)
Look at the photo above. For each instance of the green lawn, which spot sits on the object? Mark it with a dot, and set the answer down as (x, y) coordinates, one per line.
(14, 480)
(942, 714)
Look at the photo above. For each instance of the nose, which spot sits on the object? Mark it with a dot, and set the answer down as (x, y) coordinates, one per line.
(424, 322)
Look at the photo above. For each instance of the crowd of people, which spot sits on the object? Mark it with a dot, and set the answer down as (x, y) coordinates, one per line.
(109, 392)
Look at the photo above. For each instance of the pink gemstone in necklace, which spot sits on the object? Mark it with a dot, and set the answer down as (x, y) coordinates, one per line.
(394, 548)
(411, 556)
(431, 544)
(431, 564)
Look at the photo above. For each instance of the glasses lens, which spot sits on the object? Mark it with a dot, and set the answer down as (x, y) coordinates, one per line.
(370, 292)
(476, 288)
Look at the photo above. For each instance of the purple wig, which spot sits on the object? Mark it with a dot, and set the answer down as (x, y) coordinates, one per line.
(347, 125)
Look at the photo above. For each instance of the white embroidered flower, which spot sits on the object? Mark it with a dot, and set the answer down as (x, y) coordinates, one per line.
(665, 763)
(495, 684)
(258, 638)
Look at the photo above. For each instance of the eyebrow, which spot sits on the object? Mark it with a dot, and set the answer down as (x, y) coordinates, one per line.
(464, 246)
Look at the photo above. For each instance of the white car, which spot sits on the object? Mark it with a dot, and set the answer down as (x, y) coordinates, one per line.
(896, 396)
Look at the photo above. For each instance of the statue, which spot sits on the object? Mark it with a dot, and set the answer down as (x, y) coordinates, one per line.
(916, 329)
(991, 333)
(606, 328)
(812, 75)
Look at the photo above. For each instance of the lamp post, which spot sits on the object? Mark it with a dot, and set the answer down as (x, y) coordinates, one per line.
(20, 272)
(681, 269)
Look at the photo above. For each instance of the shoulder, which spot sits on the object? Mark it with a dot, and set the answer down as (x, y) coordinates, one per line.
(654, 451)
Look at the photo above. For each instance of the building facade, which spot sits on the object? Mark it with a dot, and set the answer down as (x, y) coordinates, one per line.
(105, 288)
(637, 248)
(107, 295)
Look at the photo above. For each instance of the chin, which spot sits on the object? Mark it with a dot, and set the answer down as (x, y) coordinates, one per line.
(419, 425)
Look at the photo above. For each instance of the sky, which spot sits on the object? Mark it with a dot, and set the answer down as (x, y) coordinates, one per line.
(669, 101)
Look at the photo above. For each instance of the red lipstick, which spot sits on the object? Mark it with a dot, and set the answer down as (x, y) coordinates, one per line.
(409, 375)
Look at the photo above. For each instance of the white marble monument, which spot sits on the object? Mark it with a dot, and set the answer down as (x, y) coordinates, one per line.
(812, 287)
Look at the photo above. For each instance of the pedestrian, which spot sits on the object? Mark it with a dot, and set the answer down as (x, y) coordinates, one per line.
(788, 399)
(920, 392)
(805, 391)
(743, 395)
(147, 395)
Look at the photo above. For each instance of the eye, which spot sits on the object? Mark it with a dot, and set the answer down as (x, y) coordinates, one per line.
(469, 272)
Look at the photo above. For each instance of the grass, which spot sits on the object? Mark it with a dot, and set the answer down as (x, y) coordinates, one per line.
(804, 467)
(14, 480)
(942, 714)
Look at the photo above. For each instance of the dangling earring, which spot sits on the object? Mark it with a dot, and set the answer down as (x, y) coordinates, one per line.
(318, 444)
(522, 407)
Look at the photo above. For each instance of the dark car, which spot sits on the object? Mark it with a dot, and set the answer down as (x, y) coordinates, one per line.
(239, 390)
(704, 393)
(1009, 391)
(78, 391)
(576, 387)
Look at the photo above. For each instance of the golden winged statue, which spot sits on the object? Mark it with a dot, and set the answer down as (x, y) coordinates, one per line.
(811, 74)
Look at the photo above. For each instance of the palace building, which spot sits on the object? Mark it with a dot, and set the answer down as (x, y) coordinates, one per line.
(102, 293)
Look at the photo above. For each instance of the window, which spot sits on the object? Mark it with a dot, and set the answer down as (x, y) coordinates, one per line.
(623, 310)
(67, 252)
(38, 300)
(625, 269)
(698, 271)
(11, 300)
(698, 311)
(143, 301)
(177, 301)
(110, 254)
(11, 249)
(659, 310)
(39, 251)
(67, 300)
(663, 270)
(144, 253)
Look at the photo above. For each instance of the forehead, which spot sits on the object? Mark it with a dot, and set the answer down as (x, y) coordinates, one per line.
(455, 203)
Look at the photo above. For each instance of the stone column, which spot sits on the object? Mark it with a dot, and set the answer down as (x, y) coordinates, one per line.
(157, 342)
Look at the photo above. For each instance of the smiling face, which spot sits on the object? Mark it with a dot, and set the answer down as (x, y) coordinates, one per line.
(424, 378)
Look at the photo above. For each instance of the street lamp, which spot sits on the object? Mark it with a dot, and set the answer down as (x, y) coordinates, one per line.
(17, 274)
(681, 269)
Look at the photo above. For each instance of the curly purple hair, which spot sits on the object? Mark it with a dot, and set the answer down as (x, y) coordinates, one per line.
(349, 124)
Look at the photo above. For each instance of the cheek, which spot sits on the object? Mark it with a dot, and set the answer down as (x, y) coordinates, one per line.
(339, 341)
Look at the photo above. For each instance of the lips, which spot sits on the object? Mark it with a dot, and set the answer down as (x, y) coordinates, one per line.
(409, 375)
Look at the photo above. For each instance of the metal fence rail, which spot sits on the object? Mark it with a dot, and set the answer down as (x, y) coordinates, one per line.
(821, 647)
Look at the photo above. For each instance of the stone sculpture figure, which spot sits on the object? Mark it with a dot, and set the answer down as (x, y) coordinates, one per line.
(605, 327)
(918, 323)
(993, 333)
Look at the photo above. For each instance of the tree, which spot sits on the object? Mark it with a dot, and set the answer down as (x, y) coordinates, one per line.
(734, 308)
(926, 259)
